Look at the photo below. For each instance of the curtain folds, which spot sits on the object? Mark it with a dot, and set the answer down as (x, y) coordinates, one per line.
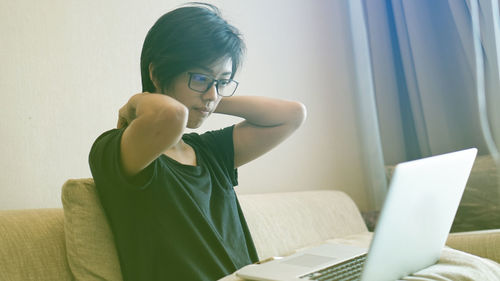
(415, 67)
(373, 161)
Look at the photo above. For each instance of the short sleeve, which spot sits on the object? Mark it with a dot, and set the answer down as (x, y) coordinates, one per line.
(105, 164)
(221, 143)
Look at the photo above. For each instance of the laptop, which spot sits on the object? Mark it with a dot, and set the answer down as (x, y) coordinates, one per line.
(411, 232)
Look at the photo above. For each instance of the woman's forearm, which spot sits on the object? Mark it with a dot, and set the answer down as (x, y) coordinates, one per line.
(263, 111)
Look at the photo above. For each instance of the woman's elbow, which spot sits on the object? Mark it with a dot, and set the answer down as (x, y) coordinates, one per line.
(298, 114)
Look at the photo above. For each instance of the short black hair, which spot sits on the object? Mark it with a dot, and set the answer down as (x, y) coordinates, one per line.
(190, 36)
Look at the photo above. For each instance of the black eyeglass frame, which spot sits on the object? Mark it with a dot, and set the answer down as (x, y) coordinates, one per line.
(216, 81)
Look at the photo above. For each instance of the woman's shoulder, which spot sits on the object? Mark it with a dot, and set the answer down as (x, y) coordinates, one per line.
(109, 134)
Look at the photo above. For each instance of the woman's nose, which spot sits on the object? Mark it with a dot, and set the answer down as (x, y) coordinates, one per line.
(211, 93)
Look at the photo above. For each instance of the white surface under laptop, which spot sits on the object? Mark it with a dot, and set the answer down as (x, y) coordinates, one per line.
(414, 223)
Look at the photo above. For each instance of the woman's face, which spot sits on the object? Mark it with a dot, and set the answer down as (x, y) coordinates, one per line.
(200, 105)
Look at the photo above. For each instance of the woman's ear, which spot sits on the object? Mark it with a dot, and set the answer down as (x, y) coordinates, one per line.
(153, 78)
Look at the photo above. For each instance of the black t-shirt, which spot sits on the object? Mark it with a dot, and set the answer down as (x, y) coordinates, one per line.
(185, 223)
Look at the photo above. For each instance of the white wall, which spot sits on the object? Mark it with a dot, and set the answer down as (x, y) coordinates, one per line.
(68, 66)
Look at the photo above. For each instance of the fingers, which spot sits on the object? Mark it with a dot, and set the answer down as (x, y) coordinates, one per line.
(122, 122)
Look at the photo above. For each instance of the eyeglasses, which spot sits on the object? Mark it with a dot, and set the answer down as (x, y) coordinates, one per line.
(201, 83)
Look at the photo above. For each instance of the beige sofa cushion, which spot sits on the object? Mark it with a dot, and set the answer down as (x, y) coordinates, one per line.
(91, 250)
(282, 222)
(32, 245)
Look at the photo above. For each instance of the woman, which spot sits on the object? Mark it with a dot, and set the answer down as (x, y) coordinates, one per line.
(169, 196)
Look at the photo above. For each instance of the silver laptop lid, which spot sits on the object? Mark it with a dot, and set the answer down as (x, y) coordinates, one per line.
(417, 215)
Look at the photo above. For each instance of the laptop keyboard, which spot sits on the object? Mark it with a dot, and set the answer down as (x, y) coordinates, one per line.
(345, 271)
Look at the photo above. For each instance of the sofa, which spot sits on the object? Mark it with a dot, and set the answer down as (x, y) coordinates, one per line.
(75, 242)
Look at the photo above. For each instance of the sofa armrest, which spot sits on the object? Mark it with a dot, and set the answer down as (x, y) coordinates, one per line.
(32, 245)
(485, 243)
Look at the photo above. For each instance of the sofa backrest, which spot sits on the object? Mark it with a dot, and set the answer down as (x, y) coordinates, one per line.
(32, 245)
(35, 246)
(282, 222)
